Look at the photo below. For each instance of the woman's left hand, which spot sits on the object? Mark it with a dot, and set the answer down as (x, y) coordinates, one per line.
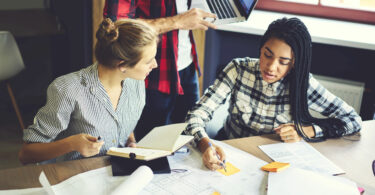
(131, 144)
(288, 133)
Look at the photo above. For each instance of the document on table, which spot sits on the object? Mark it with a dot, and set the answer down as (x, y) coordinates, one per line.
(192, 177)
(295, 181)
(189, 176)
(301, 155)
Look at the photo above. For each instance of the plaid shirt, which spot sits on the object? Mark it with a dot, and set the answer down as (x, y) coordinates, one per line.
(165, 78)
(257, 107)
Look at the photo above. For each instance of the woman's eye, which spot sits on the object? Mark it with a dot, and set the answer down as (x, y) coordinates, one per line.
(284, 62)
(267, 55)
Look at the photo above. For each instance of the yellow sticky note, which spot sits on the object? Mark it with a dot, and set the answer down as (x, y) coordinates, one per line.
(231, 169)
(215, 193)
(275, 166)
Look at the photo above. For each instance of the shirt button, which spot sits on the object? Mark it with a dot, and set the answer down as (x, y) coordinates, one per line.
(92, 89)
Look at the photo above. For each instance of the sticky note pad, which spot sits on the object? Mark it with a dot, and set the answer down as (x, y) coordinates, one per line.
(231, 169)
(275, 166)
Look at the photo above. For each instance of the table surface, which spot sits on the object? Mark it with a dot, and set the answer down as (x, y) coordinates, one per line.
(354, 157)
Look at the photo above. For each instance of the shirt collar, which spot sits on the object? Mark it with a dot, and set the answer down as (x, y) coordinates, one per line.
(90, 76)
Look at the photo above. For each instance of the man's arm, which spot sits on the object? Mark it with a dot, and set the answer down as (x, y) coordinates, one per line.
(189, 20)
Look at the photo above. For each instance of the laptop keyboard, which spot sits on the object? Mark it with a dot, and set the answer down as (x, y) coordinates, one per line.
(222, 8)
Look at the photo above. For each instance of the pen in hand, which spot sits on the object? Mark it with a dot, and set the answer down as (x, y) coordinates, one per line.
(217, 155)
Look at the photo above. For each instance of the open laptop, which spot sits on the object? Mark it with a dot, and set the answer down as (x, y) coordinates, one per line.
(227, 11)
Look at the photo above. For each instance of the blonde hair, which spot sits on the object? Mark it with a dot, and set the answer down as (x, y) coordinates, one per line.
(123, 40)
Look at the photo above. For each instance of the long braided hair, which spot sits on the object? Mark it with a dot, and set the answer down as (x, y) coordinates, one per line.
(294, 33)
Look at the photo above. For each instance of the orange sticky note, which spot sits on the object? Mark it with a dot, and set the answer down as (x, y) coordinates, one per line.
(275, 166)
(231, 169)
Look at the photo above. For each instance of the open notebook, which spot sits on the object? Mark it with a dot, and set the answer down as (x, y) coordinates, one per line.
(159, 142)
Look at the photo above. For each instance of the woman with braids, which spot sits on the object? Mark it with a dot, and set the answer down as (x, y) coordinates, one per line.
(272, 94)
(104, 100)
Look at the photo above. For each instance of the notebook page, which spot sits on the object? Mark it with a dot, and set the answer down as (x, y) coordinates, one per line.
(163, 137)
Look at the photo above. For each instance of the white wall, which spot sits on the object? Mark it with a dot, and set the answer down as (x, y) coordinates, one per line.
(21, 4)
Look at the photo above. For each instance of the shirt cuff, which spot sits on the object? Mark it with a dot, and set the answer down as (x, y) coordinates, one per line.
(199, 135)
(318, 131)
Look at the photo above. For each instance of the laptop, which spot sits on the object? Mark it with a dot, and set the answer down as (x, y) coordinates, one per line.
(227, 11)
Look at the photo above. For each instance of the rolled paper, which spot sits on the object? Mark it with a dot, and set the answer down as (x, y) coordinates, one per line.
(135, 182)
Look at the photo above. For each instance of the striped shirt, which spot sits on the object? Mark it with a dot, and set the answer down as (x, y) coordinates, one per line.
(257, 107)
(78, 103)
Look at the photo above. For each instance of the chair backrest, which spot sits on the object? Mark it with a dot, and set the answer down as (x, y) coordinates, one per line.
(11, 62)
(349, 91)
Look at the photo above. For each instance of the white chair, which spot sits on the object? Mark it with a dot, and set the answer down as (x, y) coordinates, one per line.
(11, 64)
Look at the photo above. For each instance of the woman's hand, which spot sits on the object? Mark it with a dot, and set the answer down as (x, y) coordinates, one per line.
(209, 157)
(288, 132)
(85, 144)
(131, 144)
(131, 141)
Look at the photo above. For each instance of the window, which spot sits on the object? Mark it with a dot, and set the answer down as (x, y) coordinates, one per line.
(352, 10)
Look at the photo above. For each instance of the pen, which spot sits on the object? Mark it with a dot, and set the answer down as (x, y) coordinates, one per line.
(217, 155)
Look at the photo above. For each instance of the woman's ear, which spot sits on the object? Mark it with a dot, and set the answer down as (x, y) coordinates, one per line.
(123, 69)
(121, 65)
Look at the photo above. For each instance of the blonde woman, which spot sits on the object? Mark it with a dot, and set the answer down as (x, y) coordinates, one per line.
(104, 100)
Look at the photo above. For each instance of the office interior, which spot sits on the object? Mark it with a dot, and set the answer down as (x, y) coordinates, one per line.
(55, 37)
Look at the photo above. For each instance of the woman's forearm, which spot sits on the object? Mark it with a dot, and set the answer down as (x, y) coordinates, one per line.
(37, 152)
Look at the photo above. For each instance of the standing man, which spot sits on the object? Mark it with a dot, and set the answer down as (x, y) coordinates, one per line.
(172, 88)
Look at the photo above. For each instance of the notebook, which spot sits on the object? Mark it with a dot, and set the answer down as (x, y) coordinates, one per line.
(227, 11)
(159, 142)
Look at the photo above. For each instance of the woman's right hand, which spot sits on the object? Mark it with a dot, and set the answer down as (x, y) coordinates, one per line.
(85, 144)
(211, 160)
(212, 157)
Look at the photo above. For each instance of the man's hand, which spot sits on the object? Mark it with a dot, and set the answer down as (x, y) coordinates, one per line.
(194, 19)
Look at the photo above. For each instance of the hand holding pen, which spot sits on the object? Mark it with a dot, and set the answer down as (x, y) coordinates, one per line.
(212, 155)
(222, 164)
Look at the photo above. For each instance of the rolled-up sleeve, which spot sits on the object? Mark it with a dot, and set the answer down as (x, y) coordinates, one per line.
(329, 105)
(210, 101)
(51, 119)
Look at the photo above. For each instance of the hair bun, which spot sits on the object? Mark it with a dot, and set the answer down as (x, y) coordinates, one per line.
(108, 31)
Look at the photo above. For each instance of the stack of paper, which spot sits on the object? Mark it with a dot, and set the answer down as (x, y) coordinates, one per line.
(295, 181)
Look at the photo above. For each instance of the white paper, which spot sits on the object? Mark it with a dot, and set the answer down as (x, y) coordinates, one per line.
(136, 182)
(197, 179)
(156, 138)
(45, 183)
(301, 155)
(295, 181)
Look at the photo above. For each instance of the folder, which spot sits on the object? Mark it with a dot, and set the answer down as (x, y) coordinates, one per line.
(125, 166)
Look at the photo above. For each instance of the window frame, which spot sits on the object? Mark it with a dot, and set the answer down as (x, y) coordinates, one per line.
(319, 10)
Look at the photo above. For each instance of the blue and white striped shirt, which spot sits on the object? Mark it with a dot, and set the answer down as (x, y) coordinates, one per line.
(257, 107)
(78, 103)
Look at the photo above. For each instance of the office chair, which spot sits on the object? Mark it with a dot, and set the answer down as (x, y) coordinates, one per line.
(11, 64)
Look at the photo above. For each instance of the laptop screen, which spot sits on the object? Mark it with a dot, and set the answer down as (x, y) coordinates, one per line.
(247, 6)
